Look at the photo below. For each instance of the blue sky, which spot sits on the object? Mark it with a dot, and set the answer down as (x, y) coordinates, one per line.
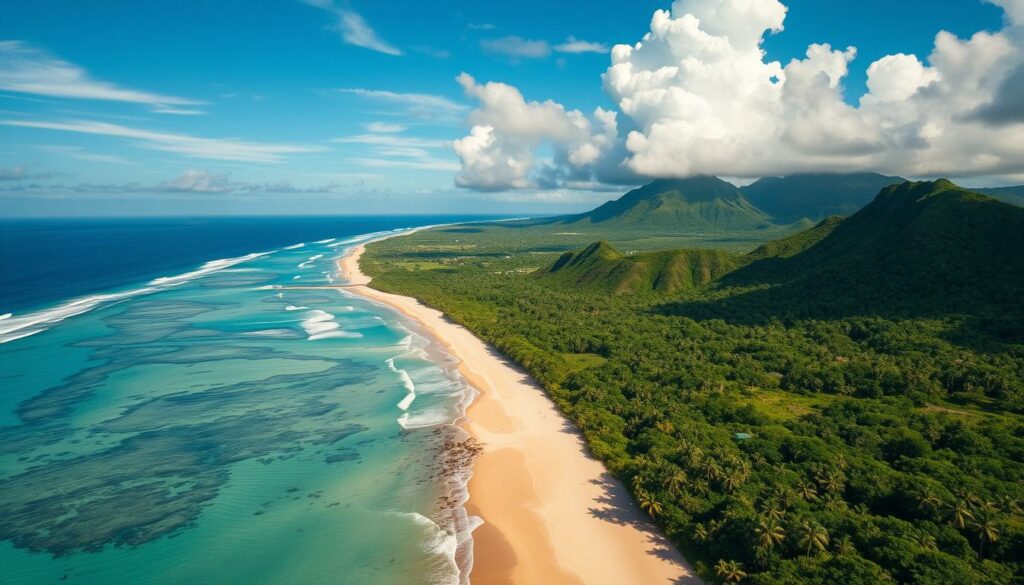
(336, 107)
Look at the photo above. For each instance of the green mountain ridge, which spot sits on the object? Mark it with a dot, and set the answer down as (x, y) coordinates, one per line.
(698, 204)
(602, 267)
(917, 246)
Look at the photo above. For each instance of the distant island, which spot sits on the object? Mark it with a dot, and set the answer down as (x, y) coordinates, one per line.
(793, 396)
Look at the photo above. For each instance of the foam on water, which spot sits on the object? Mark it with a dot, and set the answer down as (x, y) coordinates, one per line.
(410, 387)
(294, 247)
(322, 325)
(16, 327)
(294, 308)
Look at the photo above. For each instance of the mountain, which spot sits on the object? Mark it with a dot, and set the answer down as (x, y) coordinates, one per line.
(1014, 195)
(697, 204)
(815, 196)
(602, 267)
(794, 244)
(917, 248)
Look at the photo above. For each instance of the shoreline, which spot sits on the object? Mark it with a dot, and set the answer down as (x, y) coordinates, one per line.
(551, 512)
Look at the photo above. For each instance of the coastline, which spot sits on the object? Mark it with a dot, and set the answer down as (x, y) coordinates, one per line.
(551, 512)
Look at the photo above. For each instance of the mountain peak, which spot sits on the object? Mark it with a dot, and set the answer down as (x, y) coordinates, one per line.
(701, 203)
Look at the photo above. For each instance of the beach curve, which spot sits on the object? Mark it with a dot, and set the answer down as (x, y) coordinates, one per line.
(551, 512)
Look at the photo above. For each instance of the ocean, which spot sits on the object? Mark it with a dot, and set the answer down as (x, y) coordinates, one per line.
(184, 401)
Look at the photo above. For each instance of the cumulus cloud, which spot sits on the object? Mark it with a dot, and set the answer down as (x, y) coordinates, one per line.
(354, 30)
(574, 45)
(506, 129)
(699, 95)
(25, 68)
(516, 48)
(183, 144)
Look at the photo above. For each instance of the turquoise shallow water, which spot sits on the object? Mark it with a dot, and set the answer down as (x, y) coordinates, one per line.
(224, 426)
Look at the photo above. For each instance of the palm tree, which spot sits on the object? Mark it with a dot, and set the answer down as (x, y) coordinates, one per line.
(730, 571)
(928, 501)
(812, 536)
(675, 481)
(831, 482)
(712, 470)
(732, 480)
(649, 504)
(773, 511)
(927, 542)
(769, 534)
(843, 546)
(960, 513)
(806, 490)
(988, 531)
(700, 533)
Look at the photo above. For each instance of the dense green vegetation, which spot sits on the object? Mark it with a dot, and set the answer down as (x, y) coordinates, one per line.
(603, 267)
(815, 196)
(846, 405)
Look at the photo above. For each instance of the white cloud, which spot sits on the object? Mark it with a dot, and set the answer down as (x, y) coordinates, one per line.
(389, 150)
(417, 105)
(25, 68)
(192, 146)
(80, 153)
(506, 130)
(354, 30)
(23, 173)
(385, 127)
(574, 45)
(698, 95)
(517, 48)
(480, 26)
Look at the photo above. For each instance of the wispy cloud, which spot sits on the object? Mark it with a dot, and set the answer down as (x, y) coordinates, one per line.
(23, 173)
(417, 105)
(408, 152)
(574, 45)
(77, 152)
(517, 48)
(184, 144)
(385, 127)
(354, 30)
(480, 26)
(28, 69)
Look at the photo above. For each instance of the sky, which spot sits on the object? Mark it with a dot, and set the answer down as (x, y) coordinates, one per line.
(142, 107)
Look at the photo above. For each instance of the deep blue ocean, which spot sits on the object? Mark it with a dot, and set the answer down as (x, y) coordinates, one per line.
(47, 260)
(198, 401)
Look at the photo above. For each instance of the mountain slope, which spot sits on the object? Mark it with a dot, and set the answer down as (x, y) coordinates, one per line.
(602, 267)
(815, 196)
(1014, 195)
(917, 248)
(698, 204)
(798, 242)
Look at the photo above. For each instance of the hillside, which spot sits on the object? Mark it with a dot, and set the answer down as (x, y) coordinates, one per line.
(698, 204)
(918, 247)
(602, 267)
(798, 242)
(1014, 195)
(815, 196)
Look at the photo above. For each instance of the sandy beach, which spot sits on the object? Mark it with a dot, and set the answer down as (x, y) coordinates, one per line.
(552, 513)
